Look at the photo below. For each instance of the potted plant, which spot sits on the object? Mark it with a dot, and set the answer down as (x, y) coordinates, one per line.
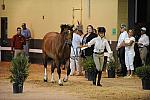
(144, 73)
(19, 71)
(89, 66)
(111, 66)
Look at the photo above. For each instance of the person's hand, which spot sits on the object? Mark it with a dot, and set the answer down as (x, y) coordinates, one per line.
(81, 46)
(12, 51)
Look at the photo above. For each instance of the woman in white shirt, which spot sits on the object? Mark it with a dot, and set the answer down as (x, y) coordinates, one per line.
(129, 53)
(100, 43)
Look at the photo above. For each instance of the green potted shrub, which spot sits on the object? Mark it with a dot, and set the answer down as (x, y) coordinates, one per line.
(111, 66)
(89, 66)
(19, 71)
(144, 73)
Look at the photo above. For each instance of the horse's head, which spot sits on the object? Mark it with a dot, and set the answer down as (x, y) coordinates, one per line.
(67, 31)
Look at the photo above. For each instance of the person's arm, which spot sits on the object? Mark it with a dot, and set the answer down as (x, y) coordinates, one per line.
(108, 47)
(122, 39)
(89, 44)
(12, 43)
(109, 50)
(28, 34)
(130, 43)
(146, 43)
(92, 42)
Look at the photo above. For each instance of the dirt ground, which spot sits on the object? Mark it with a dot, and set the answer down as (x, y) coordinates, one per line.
(77, 88)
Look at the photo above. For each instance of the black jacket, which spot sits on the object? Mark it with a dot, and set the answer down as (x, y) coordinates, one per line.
(88, 51)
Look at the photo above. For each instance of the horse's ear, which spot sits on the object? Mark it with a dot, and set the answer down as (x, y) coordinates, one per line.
(62, 26)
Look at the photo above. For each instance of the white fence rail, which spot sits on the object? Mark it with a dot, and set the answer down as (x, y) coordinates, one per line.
(9, 48)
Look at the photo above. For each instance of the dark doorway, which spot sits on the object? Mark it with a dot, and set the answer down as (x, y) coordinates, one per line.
(142, 11)
(4, 40)
(138, 12)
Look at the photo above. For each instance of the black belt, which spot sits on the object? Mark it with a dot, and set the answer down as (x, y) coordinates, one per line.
(143, 47)
(99, 53)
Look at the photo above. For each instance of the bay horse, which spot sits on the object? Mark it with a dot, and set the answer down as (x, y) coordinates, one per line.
(57, 47)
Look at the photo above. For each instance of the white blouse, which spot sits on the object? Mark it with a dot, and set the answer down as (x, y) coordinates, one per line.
(144, 39)
(100, 44)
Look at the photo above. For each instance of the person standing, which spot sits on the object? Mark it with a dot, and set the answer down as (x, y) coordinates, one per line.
(129, 53)
(17, 42)
(86, 38)
(143, 43)
(100, 43)
(27, 34)
(121, 49)
(75, 52)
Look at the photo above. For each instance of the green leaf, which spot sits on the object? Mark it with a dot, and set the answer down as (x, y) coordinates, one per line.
(19, 69)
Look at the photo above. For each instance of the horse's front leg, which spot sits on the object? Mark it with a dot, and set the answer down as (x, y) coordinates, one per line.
(45, 69)
(59, 75)
(52, 71)
(68, 72)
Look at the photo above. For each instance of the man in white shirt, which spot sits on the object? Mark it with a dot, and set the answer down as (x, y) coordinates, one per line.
(143, 43)
(75, 52)
(121, 49)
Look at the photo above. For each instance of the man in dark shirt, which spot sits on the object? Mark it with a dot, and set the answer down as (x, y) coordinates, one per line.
(17, 42)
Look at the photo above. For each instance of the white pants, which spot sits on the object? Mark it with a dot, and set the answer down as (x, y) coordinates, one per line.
(74, 61)
(129, 58)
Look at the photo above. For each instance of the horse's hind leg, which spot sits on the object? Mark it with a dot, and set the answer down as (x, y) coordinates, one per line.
(59, 75)
(45, 68)
(52, 71)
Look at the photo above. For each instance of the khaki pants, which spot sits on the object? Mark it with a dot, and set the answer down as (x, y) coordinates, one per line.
(99, 61)
(16, 52)
(143, 54)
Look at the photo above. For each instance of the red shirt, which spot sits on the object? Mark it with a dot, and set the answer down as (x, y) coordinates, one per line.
(18, 41)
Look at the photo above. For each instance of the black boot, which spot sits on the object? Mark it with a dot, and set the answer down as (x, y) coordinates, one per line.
(95, 76)
(99, 78)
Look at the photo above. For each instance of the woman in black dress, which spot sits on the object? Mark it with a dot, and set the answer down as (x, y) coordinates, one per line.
(86, 38)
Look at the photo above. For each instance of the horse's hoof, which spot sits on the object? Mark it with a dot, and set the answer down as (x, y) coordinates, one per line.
(60, 84)
(65, 80)
(45, 80)
(52, 81)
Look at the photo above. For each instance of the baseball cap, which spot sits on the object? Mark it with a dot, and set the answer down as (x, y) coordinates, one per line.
(143, 29)
(123, 26)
